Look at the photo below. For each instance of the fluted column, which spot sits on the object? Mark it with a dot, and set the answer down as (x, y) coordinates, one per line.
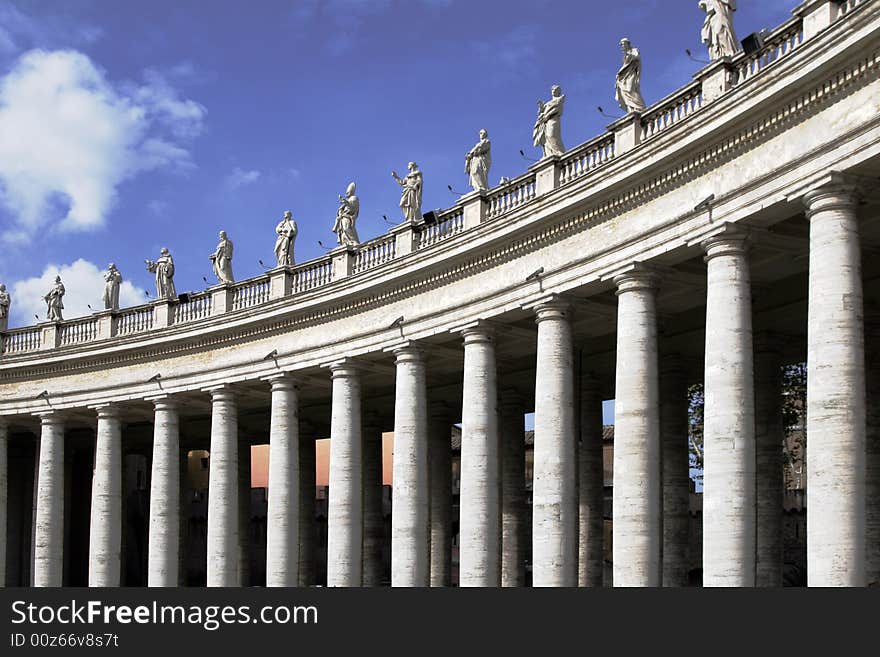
(4, 493)
(223, 511)
(410, 548)
(591, 486)
(374, 525)
(345, 529)
(282, 509)
(769, 436)
(480, 492)
(872, 437)
(165, 491)
(440, 463)
(513, 489)
(676, 466)
(307, 528)
(729, 513)
(637, 534)
(105, 527)
(49, 522)
(835, 392)
(554, 488)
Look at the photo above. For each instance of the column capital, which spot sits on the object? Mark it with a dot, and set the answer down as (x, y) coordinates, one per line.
(727, 239)
(163, 401)
(281, 381)
(344, 368)
(479, 330)
(221, 393)
(408, 352)
(107, 410)
(633, 276)
(49, 417)
(551, 306)
(831, 191)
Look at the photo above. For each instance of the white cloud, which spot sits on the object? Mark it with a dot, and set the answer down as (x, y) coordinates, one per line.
(19, 30)
(83, 284)
(74, 136)
(241, 177)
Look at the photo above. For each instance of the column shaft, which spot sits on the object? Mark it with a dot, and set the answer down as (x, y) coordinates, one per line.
(513, 490)
(637, 536)
(480, 504)
(105, 528)
(4, 495)
(872, 437)
(345, 504)
(554, 491)
(675, 476)
(591, 487)
(223, 511)
(729, 513)
(244, 512)
(769, 436)
(307, 528)
(283, 507)
(410, 548)
(440, 463)
(374, 523)
(835, 393)
(49, 522)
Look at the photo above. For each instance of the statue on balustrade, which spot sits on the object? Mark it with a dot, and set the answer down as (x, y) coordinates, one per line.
(346, 216)
(164, 270)
(54, 301)
(112, 281)
(477, 163)
(628, 88)
(548, 126)
(718, 33)
(221, 259)
(286, 231)
(5, 302)
(411, 196)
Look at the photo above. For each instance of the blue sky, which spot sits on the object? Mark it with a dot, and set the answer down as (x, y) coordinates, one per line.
(128, 126)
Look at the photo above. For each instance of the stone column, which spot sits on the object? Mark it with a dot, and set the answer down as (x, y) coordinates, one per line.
(307, 529)
(244, 512)
(49, 523)
(105, 528)
(513, 489)
(374, 524)
(554, 491)
(223, 513)
(440, 463)
(591, 486)
(479, 499)
(676, 470)
(637, 534)
(835, 392)
(729, 418)
(345, 529)
(282, 511)
(410, 548)
(4, 494)
(769, 436)
(872, 437)
(182, 510)
(164, 552)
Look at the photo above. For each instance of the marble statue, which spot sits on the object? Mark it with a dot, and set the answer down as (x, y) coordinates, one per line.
(477, 163)
(718, 33)
(54, 301)
(628, 88)
(221, 259)
(411, 196)
(164, 270)
(5, 302)
(548, 126)
(346, 216)
(112, 281)
(286, 230)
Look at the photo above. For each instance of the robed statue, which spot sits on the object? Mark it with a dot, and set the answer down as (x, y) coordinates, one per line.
(477, 163)
(346, 216)
(286, 231)
(164, 270)
(628, 87)
(221, 259)
(718, 33)
(5, 302)
(55, 301)
(112, 281)
(547, 131)
(411, 196)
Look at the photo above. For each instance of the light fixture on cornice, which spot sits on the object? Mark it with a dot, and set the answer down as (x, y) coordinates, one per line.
(43, 395)
(449, 187)
(604, 113)
(523, 156)
(397, 322)
(535, 275)
(272, 355)
(696, 59)
(326, 248)
(155, 378)
(705, 203)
